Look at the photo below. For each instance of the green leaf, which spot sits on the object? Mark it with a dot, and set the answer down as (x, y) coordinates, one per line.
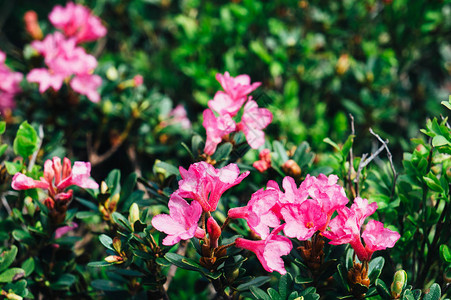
(107, 242)
(2, 127)
(302, 280)
(106, 285)
(434, 293)
(28, 266)
(99, 264)
(407, 295)
(257, 281)
(13, 167)
(375, 268)
(445, 253)
(446, 104)
(259, 293)
(382, 289)
(121, 220)
(274, 294)
(280, 151)
(433, 183)
(128, 187)
(26, 141)
(168, 167)
(347, 146)
(332, 143)
(64, 281)
(3, 149)
(440, 140)
(222, 152)
(182, 262)
(12, 274)
(85, 214)
(113, 181)
(7, 258)
(284, 285)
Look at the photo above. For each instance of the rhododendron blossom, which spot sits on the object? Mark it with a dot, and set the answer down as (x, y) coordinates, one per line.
(65, 60)
(77, 21)
(253, 121)
(376, 237)
(216, 128)
(303, 220)
(237, 87)
(177, 116)
(182, 221)
(261, 212)
(9, 84)
(223, 104)
(57, 177)
(270, 250)
(205, 184)
(346, 227)
(264, 162)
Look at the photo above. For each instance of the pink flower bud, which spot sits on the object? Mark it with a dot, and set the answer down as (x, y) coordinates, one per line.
(214, 231)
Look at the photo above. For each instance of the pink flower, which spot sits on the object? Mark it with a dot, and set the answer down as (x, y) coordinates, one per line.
(87, 85)
(377, 237)
(261, 212)
(325, 190)
(346, 227)
(205, 184)
(45, 79)
(253, 121)
(224, 104)
(77, 21)
(237, 87)
(214, 232)
(177, 116)
(182, 221)
(65, 229)
(23, 182)
(216, 128)
(303, 220)
(9, 84)
(269, 250)
(264, 162)
(138, 80)
(57, 178)
(32, 25)
(65, 60)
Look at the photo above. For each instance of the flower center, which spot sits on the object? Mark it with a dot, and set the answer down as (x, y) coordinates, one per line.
(309, 225)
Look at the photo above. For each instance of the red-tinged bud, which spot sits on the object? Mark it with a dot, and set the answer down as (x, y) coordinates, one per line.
(64, 197)
(117, 244)
(67, 169)
(290, 167)
(114, 259)
(214, 231)
(32, 25)
(49, 203)
(138, 80)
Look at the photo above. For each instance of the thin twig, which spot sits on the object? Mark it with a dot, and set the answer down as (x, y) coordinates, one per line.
(390, 159)
(363, 163)
(35, 154)
(6, 205)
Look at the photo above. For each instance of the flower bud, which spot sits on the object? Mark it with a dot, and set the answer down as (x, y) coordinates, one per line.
(138, 80)
(103, 187)
(342, 64)
(114, 259)
(112, 74)
(398, 284)
(290, 167)
(32, 25)
(117, 244)
(133, 214)
(214, 231)
(29, 205)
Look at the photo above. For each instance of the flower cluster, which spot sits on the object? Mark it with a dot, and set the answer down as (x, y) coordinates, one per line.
(227, 104)
(9, 84)
(65, 60)
(309, 209)
(205, 185)
(57, 178)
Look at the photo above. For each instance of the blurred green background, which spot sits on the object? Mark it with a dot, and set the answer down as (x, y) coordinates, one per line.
(385, 62)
